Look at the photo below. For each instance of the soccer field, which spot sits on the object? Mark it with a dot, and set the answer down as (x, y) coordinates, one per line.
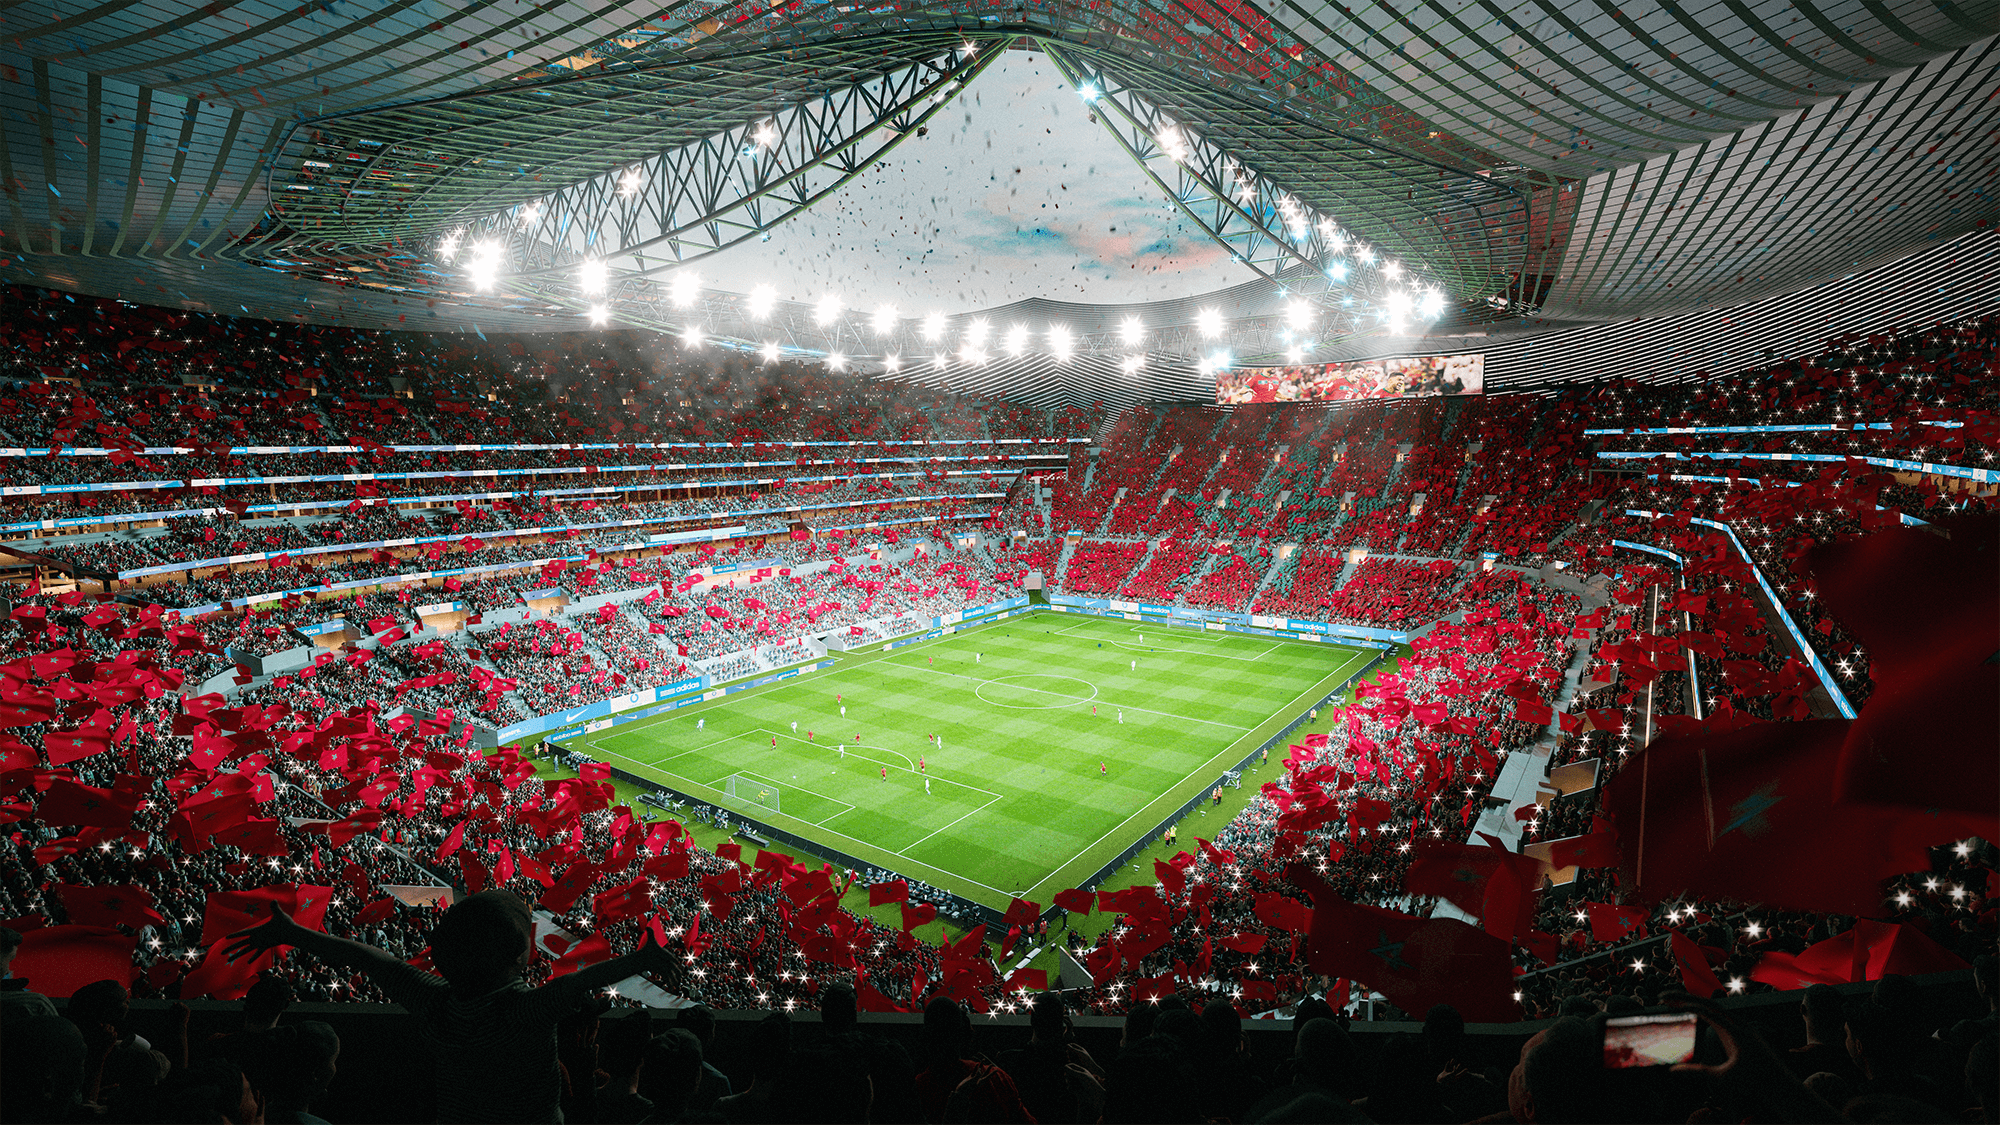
(1012, 801)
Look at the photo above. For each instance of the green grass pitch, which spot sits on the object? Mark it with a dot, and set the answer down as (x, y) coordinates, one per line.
(1027, 710)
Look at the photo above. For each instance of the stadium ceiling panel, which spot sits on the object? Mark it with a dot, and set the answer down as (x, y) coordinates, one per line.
(1545, 163)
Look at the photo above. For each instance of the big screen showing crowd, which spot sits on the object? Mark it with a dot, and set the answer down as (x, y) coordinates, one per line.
(1410, 377)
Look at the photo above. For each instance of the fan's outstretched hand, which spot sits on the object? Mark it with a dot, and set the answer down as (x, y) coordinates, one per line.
(280, 930)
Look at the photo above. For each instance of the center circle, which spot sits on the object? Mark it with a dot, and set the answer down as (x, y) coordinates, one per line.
(1035, 692)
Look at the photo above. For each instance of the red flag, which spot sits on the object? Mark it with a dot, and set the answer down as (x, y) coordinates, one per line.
(1458, 873)
(1750, 814)
(230, 911)
(67, 802)
(58, 960)
(1416, 963)
(1609, 923)
(1696, 974)
(1598, 848)
(1930, 644)
(1075, 901)
(918, 915)
(1283, 913)
(124, 905)
(895, 890)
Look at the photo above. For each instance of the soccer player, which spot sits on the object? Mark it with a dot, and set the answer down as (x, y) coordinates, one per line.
(927, 787)
(774, 740)
(1103, 770)
(885, 773)
(920, 766)
(795, 726)
(700, 723)
(1135, 666)
(843, 710)
(1121, 716)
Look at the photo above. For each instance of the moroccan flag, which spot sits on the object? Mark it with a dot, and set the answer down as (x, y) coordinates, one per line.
(85, 806)
(125, 905)
(230, 911)
(1610, 923)
(1415, 962)
(895, 890)
(1021, 912)
(1597, 848)
(1751, 814)
(1075, 901)
(58, 960)
(1930, 643)
(1696, 972)
(1458, 873)
(918, 915)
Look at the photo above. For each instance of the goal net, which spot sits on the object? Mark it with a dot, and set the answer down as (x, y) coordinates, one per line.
(751, 790)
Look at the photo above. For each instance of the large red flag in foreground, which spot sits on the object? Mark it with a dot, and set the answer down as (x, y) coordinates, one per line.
(1926, 606)
(58, 960)
(1415, 962)
(1750, 814)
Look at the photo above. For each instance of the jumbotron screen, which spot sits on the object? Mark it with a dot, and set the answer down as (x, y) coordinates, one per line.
(1411, 377)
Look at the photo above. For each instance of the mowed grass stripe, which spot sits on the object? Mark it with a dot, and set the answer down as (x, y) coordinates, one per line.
(1017, 803)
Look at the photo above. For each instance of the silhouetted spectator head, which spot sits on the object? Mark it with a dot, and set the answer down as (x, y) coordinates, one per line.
(699, 1019)
(1312, 1008)
(1184, 1028)
(837, 1009)
(1985, 976)
(1323, 1055)
(1560, 1075)
(672, 1072)
(1149, 1081)
(770, 1047)
(1621, 1004)
(1821, 1007)
(266, 1001)
(827, 1085)
(947, 1031)
(10, 944)
(1579, 1007)
(291, 1065)
(99, 1003)
(483, 941)
(1873, 1040)
(212, 1089)
(1225, 1026)
(1138, 1024)
(1047, 1018)
(1444, 1032)
(41, 1070)
(1830, 1088)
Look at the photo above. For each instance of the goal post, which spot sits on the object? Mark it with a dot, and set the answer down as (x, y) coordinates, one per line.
(753, 791)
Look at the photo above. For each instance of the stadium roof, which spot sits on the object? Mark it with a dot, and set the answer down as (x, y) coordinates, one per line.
(1546, 164)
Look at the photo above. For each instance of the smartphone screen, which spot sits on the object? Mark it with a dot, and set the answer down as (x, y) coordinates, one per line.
(1634, 1041)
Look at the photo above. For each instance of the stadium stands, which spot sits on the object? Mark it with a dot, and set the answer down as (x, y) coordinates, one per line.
(165, 792)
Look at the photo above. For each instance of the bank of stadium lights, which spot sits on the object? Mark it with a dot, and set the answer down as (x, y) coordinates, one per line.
(1173, 141)
(975, 334)
(628, 183)
(892, 363)
(692, 337)
(1298, 315)
(1059, 343)
(827, 310)
(484, 266)
(766, 134)
(529, 213)
(1131, 365)
(933, 326)
(591, 276)
(1213, 362)
(760, 301)
(1208, 322)
(600, 315)
(684, 288)
(1132, 332)
(448, 245)
(836, 362)
(769, 351)
(1016, 340)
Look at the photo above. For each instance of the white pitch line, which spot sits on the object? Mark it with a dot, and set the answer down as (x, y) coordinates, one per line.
(935, 831)
(1065, 632)
(1224, 752)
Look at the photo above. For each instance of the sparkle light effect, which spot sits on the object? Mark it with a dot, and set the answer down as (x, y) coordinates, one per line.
(1016, 340)
(591, 276)
(827, 310)
(628, 184)
(760, 301)
(975, 333)
(1298, 315)
(769, 351)
(484, 267)
(1132, 332)
(933, 327)
(766, 135)
(1208, 322)
(885, 319)
(1132, 364)
(691, 336)
(600, 315)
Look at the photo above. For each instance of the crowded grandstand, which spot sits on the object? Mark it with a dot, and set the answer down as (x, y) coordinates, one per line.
(593, 712)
